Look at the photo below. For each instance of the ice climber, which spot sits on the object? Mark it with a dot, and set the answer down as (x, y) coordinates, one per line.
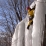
(31, 16)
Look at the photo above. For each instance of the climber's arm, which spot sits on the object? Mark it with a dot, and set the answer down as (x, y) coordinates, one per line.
(33, 4)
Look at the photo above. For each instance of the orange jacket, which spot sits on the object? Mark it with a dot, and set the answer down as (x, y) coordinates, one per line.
(30, 13)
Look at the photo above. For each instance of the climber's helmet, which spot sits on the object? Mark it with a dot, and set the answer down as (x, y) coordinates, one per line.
(28, 8)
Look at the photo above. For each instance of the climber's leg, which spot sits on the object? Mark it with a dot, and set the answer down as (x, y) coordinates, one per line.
(30, 22)
(28, 26)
